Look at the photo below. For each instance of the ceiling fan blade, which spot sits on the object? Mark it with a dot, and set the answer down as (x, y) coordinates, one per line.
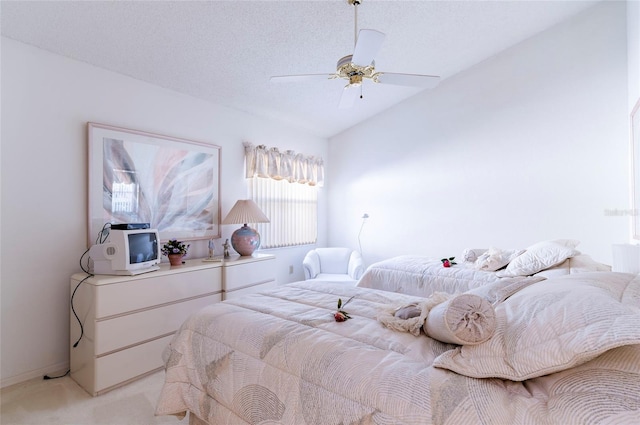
(414, 80)
(302, 77)
(349, 95)
(367, 47)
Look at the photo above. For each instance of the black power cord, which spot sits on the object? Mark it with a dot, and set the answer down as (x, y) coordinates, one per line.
(102, 236)
(74, 310)
(45, 377)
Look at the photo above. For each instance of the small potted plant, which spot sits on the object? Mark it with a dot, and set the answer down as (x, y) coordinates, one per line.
(175, 250)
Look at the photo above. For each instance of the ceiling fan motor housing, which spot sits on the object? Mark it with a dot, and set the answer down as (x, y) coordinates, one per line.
(352, 72)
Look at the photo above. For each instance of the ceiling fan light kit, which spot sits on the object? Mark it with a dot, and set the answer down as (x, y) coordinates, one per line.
(348, 70)
(361, 65)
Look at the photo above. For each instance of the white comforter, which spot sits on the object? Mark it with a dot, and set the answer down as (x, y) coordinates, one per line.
(422, 276)
(281, 358)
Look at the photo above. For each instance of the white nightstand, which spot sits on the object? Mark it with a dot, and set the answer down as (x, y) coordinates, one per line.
(244, 275)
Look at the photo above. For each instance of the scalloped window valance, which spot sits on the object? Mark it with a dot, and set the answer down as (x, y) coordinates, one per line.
(261, 161)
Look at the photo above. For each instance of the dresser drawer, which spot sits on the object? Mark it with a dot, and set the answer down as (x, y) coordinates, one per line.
(238, 276)
(130, 329)
(152, 290)
(128, 364)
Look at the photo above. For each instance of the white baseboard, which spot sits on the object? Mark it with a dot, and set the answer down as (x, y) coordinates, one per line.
(55, 370)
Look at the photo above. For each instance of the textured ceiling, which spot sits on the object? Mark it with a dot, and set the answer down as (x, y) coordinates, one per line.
(225, 51)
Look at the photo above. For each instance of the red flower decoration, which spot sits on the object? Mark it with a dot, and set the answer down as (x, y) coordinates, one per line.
(448, 262)
(341, 315)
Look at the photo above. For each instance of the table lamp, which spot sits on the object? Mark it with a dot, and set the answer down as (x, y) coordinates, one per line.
(245, 240)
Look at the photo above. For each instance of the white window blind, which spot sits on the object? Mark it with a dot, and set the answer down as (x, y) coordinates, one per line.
(292, 209)
(285, 187)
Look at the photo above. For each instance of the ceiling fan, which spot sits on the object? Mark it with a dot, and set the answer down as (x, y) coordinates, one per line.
(361, 65)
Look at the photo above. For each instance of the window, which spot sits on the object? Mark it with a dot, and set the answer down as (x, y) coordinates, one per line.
(292, 209)
(285, 187)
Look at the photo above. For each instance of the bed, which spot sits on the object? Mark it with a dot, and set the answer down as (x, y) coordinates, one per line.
(422, 276)
(563, 350)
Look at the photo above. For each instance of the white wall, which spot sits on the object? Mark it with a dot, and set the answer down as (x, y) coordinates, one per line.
(633, 51)
(633, 78)
(46, 102)
(527, 146)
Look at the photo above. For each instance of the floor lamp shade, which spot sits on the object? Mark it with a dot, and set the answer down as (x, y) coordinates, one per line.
(245, 240)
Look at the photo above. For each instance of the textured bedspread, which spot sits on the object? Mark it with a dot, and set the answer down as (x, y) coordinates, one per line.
(281, 358)
(422, 276)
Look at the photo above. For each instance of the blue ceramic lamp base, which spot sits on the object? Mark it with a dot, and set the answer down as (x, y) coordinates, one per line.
(245, 241)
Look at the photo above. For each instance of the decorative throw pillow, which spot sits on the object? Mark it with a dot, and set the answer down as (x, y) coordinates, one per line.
(451, 318)
(541, 256)
(471, 255)
(554, 325)
(496, 258)
(465, 319)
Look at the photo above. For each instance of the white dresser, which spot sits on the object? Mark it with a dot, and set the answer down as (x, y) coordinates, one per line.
(244, 275)
(128, 321)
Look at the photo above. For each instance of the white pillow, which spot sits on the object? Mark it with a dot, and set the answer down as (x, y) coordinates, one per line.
(554, 325)
(495, 259)
(558, 270)
(498, 291)
(451, 318)
(584, 263)
(471, 255)
(541, 256)
(464, 319)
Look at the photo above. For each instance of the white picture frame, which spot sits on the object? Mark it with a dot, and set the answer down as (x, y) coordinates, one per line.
(139, 177)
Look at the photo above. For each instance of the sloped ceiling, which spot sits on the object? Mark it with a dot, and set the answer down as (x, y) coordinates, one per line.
(225, 51)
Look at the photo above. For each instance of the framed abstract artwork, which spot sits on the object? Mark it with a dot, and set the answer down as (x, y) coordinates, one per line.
(139, 177)
(635, 163)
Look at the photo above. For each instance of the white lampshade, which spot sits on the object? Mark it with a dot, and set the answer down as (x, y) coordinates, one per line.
(245, 211)
(245, 240)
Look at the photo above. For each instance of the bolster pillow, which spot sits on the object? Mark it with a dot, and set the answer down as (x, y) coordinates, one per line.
(465, 319)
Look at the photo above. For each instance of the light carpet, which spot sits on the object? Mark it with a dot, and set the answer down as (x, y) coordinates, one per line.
(62, 402)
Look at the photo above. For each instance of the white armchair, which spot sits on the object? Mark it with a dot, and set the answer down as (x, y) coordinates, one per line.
(333, 264)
